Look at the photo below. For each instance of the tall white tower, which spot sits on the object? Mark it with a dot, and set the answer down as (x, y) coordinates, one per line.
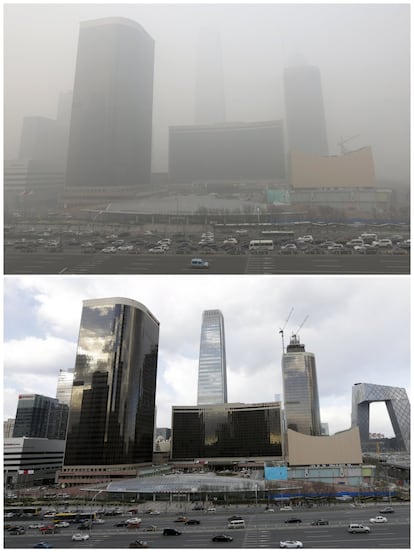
(212, 377)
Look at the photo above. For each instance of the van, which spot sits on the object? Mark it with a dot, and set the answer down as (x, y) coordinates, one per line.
(171, 532)
(236, 524)
(358, 528)
(199, 263)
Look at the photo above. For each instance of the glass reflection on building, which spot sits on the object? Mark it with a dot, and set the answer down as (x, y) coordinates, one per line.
(226, 430)
(113, 397)
(212, 377)
(300, 388)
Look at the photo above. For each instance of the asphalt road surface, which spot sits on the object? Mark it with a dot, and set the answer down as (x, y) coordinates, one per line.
(19, 262)
(263, 530)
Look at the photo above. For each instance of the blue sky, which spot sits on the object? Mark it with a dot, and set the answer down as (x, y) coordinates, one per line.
(358, 328)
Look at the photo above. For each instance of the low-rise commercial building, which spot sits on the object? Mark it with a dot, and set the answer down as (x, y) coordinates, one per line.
(31, 461)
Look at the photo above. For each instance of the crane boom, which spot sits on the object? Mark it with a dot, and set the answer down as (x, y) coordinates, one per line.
(282, 329)
(306, 317)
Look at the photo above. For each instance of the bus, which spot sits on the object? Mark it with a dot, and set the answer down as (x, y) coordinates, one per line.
(22, 510)
(278, 233)
(74, 517)
(261, 245)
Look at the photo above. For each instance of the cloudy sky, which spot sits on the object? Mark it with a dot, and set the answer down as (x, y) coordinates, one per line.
(358, 329)
(362, 51)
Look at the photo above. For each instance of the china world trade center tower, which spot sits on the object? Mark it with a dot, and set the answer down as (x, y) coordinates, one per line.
(112, 408)
(111, 121)
(212, 377)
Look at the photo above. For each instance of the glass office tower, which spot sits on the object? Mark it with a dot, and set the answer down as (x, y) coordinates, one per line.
(113, 398)
(64, 386)
(212, 378)
(305, 112)
(40, 416)
(226, 431)
(300, 388)
(111, 120)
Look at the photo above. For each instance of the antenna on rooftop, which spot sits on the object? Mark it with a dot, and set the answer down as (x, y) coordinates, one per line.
(283, 329)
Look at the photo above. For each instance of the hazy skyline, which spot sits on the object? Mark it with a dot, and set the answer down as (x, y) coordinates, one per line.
(358, 328)
(362, 51)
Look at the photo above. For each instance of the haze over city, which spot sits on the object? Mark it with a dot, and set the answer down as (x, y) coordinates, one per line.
(361, 50)
(358, 329)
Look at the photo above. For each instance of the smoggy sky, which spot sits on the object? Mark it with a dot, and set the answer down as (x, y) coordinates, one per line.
(358, 329)
(362, 51)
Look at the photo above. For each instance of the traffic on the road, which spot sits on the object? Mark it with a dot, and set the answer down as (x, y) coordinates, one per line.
(339, 526)
(262, 249)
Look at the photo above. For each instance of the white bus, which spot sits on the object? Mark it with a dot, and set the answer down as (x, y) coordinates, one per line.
(261, 245)
(236, 524)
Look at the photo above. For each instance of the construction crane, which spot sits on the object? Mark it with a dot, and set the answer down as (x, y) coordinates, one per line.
(283, 329)
(304, 320)
(343, 141)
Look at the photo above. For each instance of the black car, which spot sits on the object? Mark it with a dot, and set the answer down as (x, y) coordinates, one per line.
(169, 532)
(121, 524)
(320, 522)
(192, 522)
(235, 518)
(387, 510)
(17, 531)
(198, 508)
(84, 526)
(222, 538)
(293, 520)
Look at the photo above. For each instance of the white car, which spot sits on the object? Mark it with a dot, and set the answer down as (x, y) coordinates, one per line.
(291, 544)
(80, 537)
(157, 249)
(133, 520)
(385, 242)
(109, 250)
(305, 239)
(62, 524)
(155, 513)
(230, 241)
(289, 247)
(378, 519)
(286, 509)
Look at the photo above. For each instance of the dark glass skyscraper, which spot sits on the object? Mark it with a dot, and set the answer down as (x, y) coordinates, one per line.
(111, 122)
(40, 416)
(300, 389)
(305, 113)
(113, 398)
(212, 376)
(226, 430)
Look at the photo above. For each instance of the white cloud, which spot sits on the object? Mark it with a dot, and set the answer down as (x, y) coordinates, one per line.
(358, 329)
(32, 366)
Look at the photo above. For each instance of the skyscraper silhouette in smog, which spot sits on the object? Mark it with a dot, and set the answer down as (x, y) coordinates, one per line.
(212, 376)
(111, 121)
(112, 405)
(305, 112)
(209, 89)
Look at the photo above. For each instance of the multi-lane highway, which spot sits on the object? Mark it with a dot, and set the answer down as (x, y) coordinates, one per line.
(40, 262)
(263, 530)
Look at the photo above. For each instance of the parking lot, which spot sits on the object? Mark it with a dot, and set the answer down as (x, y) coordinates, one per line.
(296, 249)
